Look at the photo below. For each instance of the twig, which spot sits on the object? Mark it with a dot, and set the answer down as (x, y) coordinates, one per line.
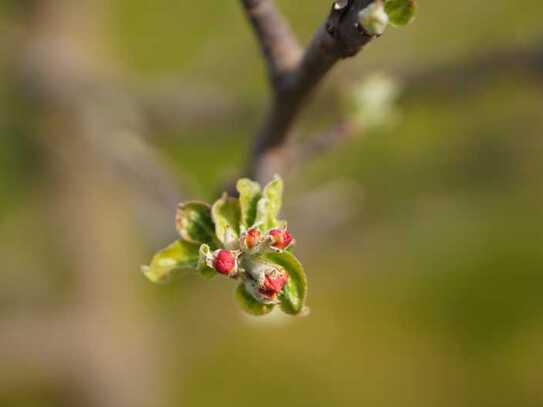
(279, 46)
(340, 36)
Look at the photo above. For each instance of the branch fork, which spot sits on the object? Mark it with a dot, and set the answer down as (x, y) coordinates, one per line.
(294, 74)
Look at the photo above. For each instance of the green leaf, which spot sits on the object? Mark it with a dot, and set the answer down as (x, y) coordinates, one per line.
(400, 12)
(295, 292)
(202, 267)
(194, 223)
(178, 255)
(270, 204)
(249, 304)
(249, 195)
(227, 216)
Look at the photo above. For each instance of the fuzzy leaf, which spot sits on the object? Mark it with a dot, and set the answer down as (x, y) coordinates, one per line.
(295, 292)
(226, 215)
(400, 12)
(194, 223)
(249, 304)
(202, 267)
(178, 255)
(270, 204)
(249, 195)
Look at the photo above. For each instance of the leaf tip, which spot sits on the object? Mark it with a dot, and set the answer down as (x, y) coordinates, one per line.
(152, 277)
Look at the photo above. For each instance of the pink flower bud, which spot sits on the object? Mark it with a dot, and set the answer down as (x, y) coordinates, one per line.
(225, 262)
(273, 285)
(281, 239)
(252, 238)
(264, 281)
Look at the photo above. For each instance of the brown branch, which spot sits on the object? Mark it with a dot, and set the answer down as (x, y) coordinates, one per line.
(279, 46)
(341, 36)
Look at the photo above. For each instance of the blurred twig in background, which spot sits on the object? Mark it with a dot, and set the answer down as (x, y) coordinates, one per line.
(57, 73)
(467, 73)
(89, 133)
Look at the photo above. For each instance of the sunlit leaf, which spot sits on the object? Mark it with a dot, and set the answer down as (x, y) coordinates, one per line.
(295, 292)
(270, 204)
(226, 214)
(249, 195)
(194, 223)
(400, 12)
(249, 304)
(178, 255)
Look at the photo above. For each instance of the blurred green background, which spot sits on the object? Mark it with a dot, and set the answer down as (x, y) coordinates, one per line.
(421, 237)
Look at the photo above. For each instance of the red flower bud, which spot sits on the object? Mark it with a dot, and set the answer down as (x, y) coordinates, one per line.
(281, 238)
(225, 262)
(252, 238)
(273, 284)
(264, 280)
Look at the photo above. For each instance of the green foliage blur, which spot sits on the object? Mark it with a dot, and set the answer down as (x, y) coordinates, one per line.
(421, 238)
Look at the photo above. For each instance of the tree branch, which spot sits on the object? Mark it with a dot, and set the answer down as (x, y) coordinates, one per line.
(341, 36)
(279, 46)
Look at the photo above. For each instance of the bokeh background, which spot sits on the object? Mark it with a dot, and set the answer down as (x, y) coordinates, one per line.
(421, 235)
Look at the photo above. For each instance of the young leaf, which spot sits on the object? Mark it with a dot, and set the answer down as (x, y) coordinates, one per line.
(400, 12)
(295, 292)
(194, 223)
(226, 215)
(249, 195)
(178, 255)
(203, 268)
(270, 204)
(249, 304)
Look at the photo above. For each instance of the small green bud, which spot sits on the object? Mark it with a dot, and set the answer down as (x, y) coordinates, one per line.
(374, 19)
(400, 12)
(374, 101)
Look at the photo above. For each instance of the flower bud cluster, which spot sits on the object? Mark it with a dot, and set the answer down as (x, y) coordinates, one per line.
(276, 240)
(244, 259)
